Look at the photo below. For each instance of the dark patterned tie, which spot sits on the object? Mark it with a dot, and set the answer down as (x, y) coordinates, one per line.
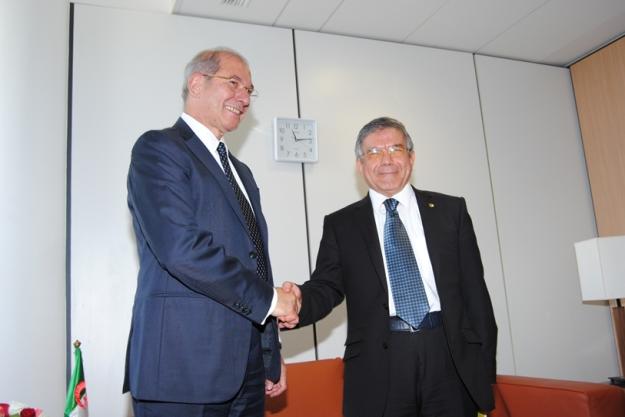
(411, 302)
(248, 214)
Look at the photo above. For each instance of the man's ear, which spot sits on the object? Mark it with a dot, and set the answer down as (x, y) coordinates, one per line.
(195, 84)
(359, 165)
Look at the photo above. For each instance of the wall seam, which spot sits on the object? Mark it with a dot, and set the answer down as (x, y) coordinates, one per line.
(68, 201)
(306, 216)
(492, 193)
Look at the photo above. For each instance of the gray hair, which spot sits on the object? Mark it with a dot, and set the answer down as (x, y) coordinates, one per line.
(207, 62)
(379, 124)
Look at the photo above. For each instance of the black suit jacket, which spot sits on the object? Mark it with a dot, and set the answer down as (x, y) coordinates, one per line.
(350, 265)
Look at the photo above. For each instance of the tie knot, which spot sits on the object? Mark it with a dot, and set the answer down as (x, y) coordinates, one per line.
(221, 149)
(391, 205)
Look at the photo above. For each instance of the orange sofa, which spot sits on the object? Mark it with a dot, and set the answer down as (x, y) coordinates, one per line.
(315, 389)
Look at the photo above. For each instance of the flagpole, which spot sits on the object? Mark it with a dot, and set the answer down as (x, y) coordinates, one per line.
(76, 400)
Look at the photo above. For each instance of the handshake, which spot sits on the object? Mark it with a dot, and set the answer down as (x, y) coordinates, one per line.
(288, 306)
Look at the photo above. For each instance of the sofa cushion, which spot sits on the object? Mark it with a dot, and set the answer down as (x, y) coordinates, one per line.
(314, 389)
(500, 406)
(541, 397)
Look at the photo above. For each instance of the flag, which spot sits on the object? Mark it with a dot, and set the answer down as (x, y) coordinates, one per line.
(76, 401)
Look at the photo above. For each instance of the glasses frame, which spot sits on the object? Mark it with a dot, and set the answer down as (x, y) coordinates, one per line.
(377, 152)
(235, 83)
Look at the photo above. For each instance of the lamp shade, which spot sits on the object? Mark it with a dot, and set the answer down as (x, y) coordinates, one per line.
(601, 266)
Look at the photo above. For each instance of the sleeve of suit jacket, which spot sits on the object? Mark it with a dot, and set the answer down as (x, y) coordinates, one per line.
(164, 203)
(325, 289)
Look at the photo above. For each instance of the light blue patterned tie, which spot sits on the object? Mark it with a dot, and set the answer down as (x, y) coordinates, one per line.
(411, 303)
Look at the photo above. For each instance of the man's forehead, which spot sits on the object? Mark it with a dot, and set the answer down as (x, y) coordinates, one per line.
(233, 66)
(384, 134)
(233, 60)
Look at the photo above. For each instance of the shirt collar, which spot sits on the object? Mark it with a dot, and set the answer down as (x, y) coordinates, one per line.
(405, 197)
(202, 132)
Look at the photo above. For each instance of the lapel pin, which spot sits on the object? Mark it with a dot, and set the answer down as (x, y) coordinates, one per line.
(431, 205)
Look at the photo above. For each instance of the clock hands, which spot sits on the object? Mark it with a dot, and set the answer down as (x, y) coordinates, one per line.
(298, 139)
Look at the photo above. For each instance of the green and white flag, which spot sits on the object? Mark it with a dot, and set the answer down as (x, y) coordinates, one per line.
(76, 401)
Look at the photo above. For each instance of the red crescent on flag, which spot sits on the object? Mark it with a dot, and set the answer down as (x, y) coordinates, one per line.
(80, 394)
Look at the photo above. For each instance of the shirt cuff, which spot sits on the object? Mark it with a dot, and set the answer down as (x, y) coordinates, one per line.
(274, 302)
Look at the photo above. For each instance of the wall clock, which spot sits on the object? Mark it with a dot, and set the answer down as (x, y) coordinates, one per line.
(295, 140)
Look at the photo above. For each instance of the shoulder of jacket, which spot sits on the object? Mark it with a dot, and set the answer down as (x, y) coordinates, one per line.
(436, 196)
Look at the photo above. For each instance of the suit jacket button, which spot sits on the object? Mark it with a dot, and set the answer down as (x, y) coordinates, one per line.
(385, 306)
(384, 345)
(253, 255)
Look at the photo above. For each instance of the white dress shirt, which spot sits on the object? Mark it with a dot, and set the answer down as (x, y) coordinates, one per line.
(408, 211)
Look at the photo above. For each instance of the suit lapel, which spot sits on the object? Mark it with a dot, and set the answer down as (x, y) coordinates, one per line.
(428, 212)
(366, 223)
(252, 192)
(248, 183)
(196, 146)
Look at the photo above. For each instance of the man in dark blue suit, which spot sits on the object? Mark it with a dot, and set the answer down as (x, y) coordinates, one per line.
(203, 340)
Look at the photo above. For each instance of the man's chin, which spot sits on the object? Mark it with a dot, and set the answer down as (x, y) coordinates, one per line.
(233, 123)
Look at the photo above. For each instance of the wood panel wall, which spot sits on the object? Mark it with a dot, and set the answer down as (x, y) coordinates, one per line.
(599, 83)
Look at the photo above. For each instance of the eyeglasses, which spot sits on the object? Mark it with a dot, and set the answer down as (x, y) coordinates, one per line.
(235, 84)
(392, 150)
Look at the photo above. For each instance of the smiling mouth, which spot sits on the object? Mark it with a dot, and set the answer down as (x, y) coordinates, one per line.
(234, 110)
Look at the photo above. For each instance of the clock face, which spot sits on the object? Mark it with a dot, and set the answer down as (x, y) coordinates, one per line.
(295, 140)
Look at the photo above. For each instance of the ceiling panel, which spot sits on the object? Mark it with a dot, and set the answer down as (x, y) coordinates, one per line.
(385, 20)
(590, 41)
(561, 31)
(306, 14)
(468, 25)
(544, 31)
(263, 12)
(165, 6)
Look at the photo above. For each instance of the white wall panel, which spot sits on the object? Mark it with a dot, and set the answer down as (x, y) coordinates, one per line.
(346, 82)
(33, 70)
(128, 72)
(543, 206)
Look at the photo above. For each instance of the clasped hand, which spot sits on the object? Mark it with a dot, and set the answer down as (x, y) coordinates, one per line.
(288, 306)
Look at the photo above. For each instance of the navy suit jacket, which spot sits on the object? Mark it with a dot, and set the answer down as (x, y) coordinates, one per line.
(198, 294)
(350, 266)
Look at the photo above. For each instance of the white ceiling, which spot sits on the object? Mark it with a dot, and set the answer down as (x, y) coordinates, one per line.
(556, 32)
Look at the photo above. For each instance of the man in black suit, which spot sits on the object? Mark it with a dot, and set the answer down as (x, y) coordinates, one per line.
(203, 342)
(421, 336)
